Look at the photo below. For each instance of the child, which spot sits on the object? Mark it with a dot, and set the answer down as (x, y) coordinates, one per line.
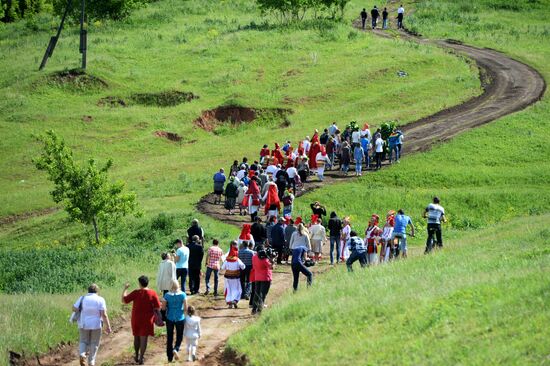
(192, 333)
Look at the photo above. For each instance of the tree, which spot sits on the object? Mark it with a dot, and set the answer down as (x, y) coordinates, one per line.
(105, 9)
(11, 10)
(296, 9)
(85, 191)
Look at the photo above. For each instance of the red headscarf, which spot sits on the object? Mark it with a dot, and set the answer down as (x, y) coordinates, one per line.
(277, 153)
(298, 220)
(251, 173)
(245, 232)
(253, 188)
(365, 126)
(323, 151)
(287, 220)
(233, 254)
(315, 138)
(314, 219)
(272, 198)
(375, 219)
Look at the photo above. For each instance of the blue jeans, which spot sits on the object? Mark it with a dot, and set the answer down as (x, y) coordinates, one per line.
(385, 24)
(395, 149)
(345, 167)
(334, 245)
(358, 166)
(331, 157)
(207, 279)
(367, 159)
(354, 256)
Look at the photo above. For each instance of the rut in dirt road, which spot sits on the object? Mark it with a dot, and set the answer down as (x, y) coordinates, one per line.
(509, 86)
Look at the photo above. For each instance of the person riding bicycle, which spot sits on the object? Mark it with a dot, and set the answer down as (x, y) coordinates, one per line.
(435, 214)
(399, 230)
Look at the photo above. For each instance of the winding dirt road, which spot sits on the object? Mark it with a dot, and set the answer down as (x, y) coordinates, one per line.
(509, 86)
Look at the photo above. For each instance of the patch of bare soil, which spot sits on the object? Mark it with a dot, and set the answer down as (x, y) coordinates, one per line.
(111, 101)
(236, 115)
(168, 98)
(87, 119)
(76, 79)
(168, 135)
(12, 219)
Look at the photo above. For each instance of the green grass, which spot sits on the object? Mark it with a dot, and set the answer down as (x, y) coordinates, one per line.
(480, 301)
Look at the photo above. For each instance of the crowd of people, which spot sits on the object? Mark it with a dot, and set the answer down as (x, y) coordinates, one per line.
(274, 178)
(247, 268)
(375, 15)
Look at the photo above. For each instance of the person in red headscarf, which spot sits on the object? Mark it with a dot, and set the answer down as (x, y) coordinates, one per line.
(264, 153)
(372, 238)
(276, 153)
(272, 201)
(252, 198)
(314, 150)
(322, 160)
(233, 266)
(246, 235)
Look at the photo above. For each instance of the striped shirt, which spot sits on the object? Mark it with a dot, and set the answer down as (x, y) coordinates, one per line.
(245, 255)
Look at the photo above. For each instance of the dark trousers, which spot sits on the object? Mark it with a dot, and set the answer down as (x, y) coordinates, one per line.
(279, 250)
(374, 22)
(292, 183)
(363, 21)
(296, 269)
(170, 346)
(194, 280)
(182, 272)
(209, 272)
(354, 256)
(434, 230)
(378, 160)
(245, 281)
(334, 246)
(303, 175)
(163, 312)
(281, 187)
(261, 288)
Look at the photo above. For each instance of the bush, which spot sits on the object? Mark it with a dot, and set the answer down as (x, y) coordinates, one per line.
(11, 10)
(106, 9)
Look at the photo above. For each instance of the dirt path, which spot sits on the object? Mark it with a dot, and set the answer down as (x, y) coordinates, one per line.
(509, 86)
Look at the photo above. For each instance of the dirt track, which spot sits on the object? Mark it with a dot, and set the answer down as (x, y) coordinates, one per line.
(509, 86)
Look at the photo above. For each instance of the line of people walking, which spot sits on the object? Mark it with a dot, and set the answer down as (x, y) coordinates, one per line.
(375, 15)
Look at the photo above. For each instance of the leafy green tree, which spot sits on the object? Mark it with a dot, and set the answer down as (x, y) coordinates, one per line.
(105, 9)
(296, 9)
(85, 191)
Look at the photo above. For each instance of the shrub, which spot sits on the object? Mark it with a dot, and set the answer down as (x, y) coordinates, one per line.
(11, 10)
(105, 9)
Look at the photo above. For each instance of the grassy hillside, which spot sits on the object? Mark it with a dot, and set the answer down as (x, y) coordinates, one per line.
(479, 302)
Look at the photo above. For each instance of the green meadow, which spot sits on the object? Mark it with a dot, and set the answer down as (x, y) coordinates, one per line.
(226, 53)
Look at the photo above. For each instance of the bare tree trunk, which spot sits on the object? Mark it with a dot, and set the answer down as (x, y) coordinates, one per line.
(94, 221)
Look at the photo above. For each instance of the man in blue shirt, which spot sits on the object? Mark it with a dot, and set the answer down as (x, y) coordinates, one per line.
(182, 262)
(219, 181)
(245, 255)
(358, 251)
(399, 230)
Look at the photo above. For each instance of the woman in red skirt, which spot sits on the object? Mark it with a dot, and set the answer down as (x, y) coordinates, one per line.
(145, 304)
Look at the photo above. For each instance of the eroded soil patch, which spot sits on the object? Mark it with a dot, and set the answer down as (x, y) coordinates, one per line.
(168, 98)
(236, 115)
(76, 79)
(111, 101)
(168, 135)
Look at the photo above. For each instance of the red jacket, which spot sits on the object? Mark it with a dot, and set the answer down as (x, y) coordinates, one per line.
(262, 269)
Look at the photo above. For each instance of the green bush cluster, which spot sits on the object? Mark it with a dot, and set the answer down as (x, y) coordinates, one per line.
(11, 10)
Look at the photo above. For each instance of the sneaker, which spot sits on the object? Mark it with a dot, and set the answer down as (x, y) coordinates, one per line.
(82, 360)
(206, 292)
(176, 355)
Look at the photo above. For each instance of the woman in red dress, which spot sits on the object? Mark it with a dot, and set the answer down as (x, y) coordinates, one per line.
(145, 304)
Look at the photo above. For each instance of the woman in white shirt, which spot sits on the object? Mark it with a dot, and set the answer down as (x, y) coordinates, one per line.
(93, 314)
(300, 238)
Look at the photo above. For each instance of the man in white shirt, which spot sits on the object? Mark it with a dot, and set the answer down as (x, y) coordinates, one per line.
(400, 15)
(332, 129)
(241, 173)
(292, 172)
(435, 213)
(355, 137)
(379, 150)
(306, 145)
